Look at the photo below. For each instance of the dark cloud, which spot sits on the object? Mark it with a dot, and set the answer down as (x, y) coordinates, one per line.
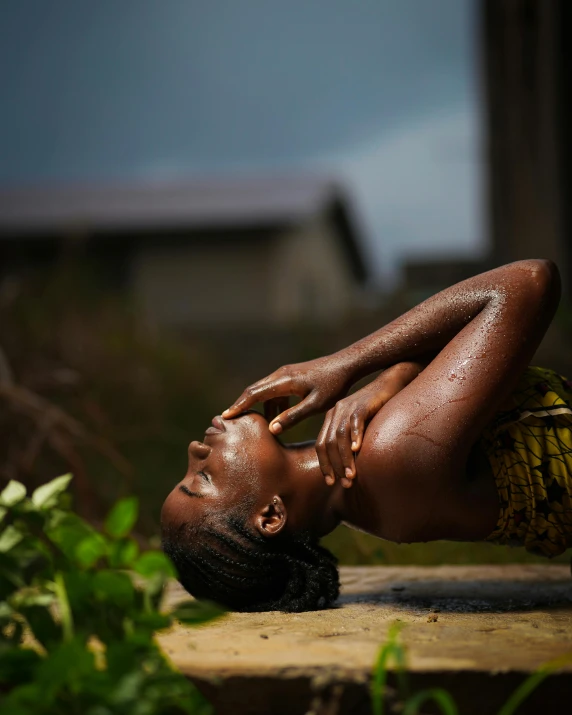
(113, 88)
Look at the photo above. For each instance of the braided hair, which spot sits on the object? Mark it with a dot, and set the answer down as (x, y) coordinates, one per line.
(235, 566)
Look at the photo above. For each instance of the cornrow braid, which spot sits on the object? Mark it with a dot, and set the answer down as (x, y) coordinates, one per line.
(240, 569)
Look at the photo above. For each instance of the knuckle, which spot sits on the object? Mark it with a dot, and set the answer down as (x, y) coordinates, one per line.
(312, 400)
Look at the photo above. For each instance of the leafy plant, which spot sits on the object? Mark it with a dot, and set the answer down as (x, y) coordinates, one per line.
(78, 613)
(410, 703)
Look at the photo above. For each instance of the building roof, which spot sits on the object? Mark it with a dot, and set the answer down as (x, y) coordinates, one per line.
(235, 203)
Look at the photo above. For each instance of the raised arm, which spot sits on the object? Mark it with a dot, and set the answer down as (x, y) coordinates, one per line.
(486, 330)
(527, 291)
(519, 298)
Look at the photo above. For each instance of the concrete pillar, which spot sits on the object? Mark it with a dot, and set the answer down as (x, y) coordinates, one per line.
(526, 64)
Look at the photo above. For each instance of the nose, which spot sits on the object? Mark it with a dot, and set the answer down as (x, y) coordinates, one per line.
(200, 450)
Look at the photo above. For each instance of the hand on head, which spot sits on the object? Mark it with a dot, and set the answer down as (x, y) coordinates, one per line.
(319, 383)
(323, 384)
(341, 436)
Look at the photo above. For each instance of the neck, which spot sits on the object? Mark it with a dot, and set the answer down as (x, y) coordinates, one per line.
(312, 505)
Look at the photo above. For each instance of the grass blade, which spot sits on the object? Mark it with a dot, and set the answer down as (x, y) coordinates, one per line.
(443, 699)
(532, 682)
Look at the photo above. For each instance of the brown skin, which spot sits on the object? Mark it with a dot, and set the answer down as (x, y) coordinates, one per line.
(420, 474)
(243, 462)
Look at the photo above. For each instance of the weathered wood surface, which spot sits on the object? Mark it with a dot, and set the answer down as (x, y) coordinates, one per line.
(475, 629)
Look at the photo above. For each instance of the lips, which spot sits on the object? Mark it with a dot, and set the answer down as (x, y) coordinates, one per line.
(218, 426)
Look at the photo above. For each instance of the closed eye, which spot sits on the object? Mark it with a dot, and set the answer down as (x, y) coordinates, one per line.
(189, 493)
(205, 476)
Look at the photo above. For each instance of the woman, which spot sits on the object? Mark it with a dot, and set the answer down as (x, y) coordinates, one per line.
(457, 439)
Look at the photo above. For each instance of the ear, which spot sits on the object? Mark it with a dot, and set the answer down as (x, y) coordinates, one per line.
(271, 519)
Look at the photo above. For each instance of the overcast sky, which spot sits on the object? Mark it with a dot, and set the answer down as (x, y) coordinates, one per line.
(382, 92)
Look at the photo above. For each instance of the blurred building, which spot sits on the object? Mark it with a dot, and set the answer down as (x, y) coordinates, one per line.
(423, 277)
(212, 254)
(527, 60)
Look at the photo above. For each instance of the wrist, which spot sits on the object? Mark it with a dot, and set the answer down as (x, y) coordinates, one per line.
(354, 363)
(346, 364)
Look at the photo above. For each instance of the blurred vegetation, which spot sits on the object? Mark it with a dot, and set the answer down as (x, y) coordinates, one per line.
(402, 700)
(79, 610)
(85, 388)
(116, 406)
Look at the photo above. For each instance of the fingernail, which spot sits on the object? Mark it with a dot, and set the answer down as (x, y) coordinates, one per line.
(276, 427)
(346, 482)
(329, 480)
(349, 472)
(226, 412)
(354, 446)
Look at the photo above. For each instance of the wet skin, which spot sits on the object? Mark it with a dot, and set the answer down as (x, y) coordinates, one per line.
(240, 462)
(418, 474)
(245, 463)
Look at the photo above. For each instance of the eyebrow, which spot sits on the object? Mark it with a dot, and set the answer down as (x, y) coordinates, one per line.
(189, 493)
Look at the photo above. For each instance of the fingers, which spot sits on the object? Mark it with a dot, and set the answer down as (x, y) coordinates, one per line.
(322, 452)
(333, 447)
(263, 390)
(273, 407)
(295, 414)
(357, 430)
(244, 402)
(339, 448)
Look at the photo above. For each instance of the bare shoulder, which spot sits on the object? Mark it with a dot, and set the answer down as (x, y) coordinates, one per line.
(404, 503)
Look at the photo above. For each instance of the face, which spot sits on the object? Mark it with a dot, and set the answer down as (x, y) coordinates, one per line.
(238, 461)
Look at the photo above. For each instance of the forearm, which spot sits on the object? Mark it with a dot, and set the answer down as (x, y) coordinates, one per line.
(426, 329)
(515, 303)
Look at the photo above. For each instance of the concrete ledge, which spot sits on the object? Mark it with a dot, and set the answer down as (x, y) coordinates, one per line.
(477, 630)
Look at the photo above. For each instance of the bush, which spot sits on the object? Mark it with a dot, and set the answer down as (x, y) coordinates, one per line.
(78, 613)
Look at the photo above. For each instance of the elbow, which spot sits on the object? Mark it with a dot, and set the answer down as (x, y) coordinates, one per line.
(543, 280)
(547, 270)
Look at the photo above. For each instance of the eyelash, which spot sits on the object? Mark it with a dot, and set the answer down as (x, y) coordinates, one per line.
(205, 476)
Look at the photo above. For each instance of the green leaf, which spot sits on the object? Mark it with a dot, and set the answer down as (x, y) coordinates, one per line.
(69, 532)
(115, 587)
(12, 493)
(74, 590)
(193, 613)
(122, 517)
(70, 663)
(122, 656)
(46, 496)
(439, 696)
(29, 597)
(123, 553)
(128, 689)
(12, 575)
(153, 621)
(90, 550)
(532, 682)
(153, 563)
(10, 537)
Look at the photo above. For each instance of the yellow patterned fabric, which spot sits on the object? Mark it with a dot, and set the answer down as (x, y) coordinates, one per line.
(530, 451)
